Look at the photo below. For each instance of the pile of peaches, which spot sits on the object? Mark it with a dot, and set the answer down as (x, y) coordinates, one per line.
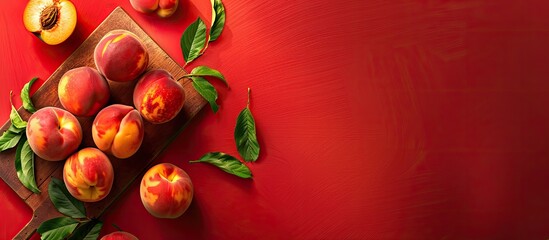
(55, 134)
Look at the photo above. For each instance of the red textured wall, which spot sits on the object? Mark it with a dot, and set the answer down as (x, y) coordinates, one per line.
(377, 119)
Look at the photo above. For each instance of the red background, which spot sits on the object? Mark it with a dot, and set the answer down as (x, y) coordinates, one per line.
(377, 119)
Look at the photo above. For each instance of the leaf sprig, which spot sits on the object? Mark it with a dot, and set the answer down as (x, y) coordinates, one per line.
(245, 134)
(75, 224)
(226, 163)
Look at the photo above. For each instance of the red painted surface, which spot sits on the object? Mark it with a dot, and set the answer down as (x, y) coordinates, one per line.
(377, 119)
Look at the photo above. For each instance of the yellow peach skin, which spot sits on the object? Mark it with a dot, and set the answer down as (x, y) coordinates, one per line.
(118, 130)
(166, 191)
(121, 56)
(83, 91)
(163, 8)
(158, 97)
(53, 133)
(88, 175)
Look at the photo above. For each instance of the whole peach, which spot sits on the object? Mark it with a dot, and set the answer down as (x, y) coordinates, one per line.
(164, 8)
(120, 235)
(118, 130)
(88, 175)
(83, 91)
(166, 191)
(121, 56)
(53, 133)
(158, 97)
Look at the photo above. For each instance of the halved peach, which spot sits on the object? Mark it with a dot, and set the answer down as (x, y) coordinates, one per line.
(53, 21)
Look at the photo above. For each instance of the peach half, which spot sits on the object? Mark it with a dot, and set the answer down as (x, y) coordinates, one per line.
(163, 8)
(118, 130)
(166, 191)
(88, 175)
(53, 133)
(158, 97)
(53, 21)
(121, 56)
(83, 91)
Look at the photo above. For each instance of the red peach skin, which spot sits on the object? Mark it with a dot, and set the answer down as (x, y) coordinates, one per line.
(118, 130)
(83, 91)
(121, 56)
(166, 191)
(53, 133)
(119, 236)
(88, 175)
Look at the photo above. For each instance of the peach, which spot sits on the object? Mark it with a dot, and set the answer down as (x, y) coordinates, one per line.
(166, 191)
(158, 97)
(88, 175)
(121, 56)
(53, 133)
(163, 8)
(118, 130)
(83, 91)
(53, 21)
(120, 235)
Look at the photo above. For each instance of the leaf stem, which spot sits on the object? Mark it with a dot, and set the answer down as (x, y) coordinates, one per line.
(249, 91)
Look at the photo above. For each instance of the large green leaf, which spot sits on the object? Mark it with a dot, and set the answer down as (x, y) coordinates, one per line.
(206, 90)
(203, 71)
(57, 228)
(245, 135)
(87, 231)
(193, 40)
(218, 22)
(64, 201)
(226, 163)
(9, 138)
(25, 96)
(24, 166)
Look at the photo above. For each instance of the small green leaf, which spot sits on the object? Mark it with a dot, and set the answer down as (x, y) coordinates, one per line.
(193, 40)
(218, 14)
(226, 163)
(207, 91)
(9, 139)
(25, 96)
(245, 134)
(16, 119)
(64, 201)
(202, 71)
(13, 129)
(87, 231)
(24, 166)
(57, 228)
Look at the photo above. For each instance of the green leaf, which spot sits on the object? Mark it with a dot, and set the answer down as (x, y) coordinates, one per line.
(9, 138)
(25, 96)
(202, 71)
(16, 119)
(245, 134)
(226, 163)
(207, 91)
(13, 129)
(193, 40)
(218, 14)
(64, 201)
(87, 231)
(57, 228)
(24, 166)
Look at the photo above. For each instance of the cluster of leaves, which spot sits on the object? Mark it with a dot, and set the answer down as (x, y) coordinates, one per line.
(246, 142)
(194, 42)
(15, 136)
(75, 224)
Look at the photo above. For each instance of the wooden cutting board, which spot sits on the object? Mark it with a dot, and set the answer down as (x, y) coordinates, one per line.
(157, 137)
